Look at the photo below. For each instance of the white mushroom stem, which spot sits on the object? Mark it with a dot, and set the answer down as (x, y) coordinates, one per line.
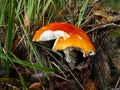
(70, 57)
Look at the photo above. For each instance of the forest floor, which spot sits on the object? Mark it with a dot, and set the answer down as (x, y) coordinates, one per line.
(99, 72)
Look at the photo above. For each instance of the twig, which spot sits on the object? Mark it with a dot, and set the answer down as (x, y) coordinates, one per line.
(118, 81)
(75, 78)
(103, 26)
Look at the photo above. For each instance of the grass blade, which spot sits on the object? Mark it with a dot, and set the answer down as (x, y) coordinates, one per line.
(10, 31)
(2, 10)
(82, 11)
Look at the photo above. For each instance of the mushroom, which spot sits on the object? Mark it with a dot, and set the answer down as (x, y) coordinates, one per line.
(67, 37)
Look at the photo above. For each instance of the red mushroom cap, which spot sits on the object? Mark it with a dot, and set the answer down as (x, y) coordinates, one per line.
(66, 35)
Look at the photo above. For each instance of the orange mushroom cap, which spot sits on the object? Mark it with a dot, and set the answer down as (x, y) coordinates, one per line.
(66, 35)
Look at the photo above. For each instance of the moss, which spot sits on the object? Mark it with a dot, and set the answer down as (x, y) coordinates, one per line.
(112, 48)
(115, 33)
(114, 4)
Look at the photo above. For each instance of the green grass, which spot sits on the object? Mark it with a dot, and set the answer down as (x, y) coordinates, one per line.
(10, 31)
(2, 11)
(82, 11)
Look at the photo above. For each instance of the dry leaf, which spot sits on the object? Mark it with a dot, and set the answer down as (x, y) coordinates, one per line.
(35, 86)
(26, 21)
